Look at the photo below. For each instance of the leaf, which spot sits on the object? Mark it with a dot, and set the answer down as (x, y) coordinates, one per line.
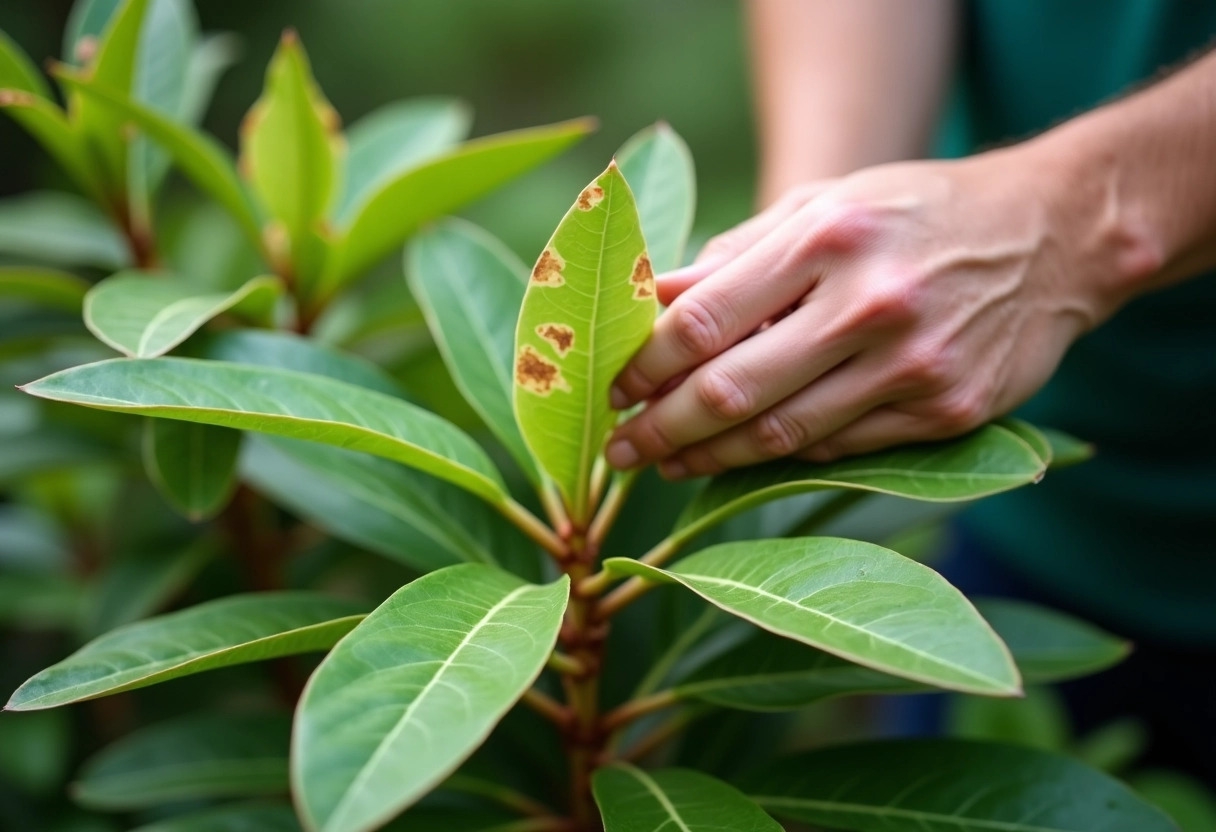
(1031, 435)
(48, 125)
(1183, 798)
(197, 757)
(1040, 720)
(1114, 746)
(1049, 645)
(290, 142)
(193, 466)
(144, 315)
(394, 210)
(949, 786)
(85, 25)
(17, 71)
(240, 817)
(659, 168)
(415, 689)
(589, 306)
(211, 56)
(280, 402)
(856, 600)
(632, 800)
(470, 286)
(229, 631)
(1066, 450)
(985, 462)
(395, 138)
(44, 287)
(61, 229)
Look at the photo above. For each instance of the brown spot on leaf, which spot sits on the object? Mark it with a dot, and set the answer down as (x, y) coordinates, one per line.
(548, 269)
(591, 196)
(642, 278)
(537, 374)
(559, 335)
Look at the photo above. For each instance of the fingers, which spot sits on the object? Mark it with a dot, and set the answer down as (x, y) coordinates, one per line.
(883, 427)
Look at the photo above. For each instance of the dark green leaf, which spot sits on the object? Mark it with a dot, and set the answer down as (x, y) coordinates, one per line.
(658, 166)
(632, 800)
(142, 580)
(193, 466)
(1049, 645)
(35, 753)
(1113, 747)
(1186, 800)
(61, 229)
(239, 817)
(17, 71)
(1039, 720)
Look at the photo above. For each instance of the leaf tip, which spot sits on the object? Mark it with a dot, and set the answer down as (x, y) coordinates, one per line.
(290, 37)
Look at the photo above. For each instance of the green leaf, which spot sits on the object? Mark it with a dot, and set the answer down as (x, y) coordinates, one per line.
(59, 228)
(144, 315)
(856, 600)
(193, 466)
(1183, 798)
(44, 287)
(290, 143)
(415, 689)
(395, 138)
(396, 209)
(211, 756)
(589, 306)
(48, 125)
(212, 55)
(1029, 434)
(36, 751)
(471, 287)
(632, 800)
(241, 817)
(17, 71)
(228, 631)
(659, 167)
(1114, 746)
(1049, 645)
(949, 786)
(1039, 720)
(1066, 450)
(86, 23)
(280, 402)
(988, 461)
(142, 579)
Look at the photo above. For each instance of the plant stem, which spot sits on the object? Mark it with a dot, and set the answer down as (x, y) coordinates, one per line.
(623, 596)
(533, 527)
(547, 706)
(664, 733)
(636, 708)
(663, 551)
(501, 795)
(559, 662)
(610, 509)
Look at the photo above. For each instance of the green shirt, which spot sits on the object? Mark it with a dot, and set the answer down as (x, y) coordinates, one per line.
(1130, 535)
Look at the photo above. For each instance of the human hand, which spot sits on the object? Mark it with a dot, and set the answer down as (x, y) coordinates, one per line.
(903, 303)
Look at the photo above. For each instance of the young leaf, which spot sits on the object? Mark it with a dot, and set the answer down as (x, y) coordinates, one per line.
(470, 286)
(589, 305)
(17, 71)
(856, 600)
(233, 630)
(194, 758)
(632, 800)
(48, 125)
(193, 466)
(395, 138)
(280, 402)
(659, 168)
(988, 461)
(290, 143)
(1048, 645)
(44, 287)
(415, 689)
(240, 817)
(949, 786)
(143, 315)
(395, 210)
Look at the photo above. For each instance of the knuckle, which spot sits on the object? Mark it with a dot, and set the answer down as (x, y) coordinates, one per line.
(652, 439)
(890, 300)
(846, 224)
(960, 411)
(928, 368)
(698, 327)
(722, 396)
(779, 434)
(720, 246)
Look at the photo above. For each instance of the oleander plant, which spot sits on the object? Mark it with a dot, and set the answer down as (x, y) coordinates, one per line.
(452, 616)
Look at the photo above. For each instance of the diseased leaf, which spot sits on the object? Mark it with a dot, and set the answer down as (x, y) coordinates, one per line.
(60, 229)
(415, 689)
(17, 71)
(145, 315)
(281, 402)
(197, 757)
(632, 800)
(395, 138)
(856, 600)
(395, 210)
(233, 630)
(590, 304)
(471, 287)
(1051, 646)
(949, 786)
(239, 817)
(985, 462)
(193, 466)
(659, 168)
(44, 287)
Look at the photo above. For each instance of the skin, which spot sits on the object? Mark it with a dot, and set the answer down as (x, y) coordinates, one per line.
(911, 301)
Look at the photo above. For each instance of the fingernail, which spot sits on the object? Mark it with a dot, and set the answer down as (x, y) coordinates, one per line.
(617, 397)
(673, 469)
(622, 454)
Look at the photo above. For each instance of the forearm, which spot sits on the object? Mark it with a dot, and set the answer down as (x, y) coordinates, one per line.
(845, 84)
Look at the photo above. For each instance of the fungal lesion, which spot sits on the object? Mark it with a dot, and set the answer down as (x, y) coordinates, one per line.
(538, 374)
(642, 278)
(558, 335)
(591, 196)
(548, 269)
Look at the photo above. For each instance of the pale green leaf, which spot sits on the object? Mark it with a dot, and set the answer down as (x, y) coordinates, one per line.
(632, 800)
(59, 228)
(281, 402)
(48, 125)
(394, 138)
(43, 287)
(228, 631)
(145, 315)
(590, 304)
(239, 817)
(949, 786)
(216, 755)
(1051, 646)
(415, 689)
(659, 167)
(856, 600)
(471, 287)
(17, 71)
(396, 209)
(193, 466)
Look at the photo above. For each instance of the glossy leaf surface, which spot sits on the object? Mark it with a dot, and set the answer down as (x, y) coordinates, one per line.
(228, 631)
(143, 315)
(415, 689)
(193, 466)
(659, 168)
(282, 402)
(949, 786)
(856, 600)
(633, 800)
(589, 305)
